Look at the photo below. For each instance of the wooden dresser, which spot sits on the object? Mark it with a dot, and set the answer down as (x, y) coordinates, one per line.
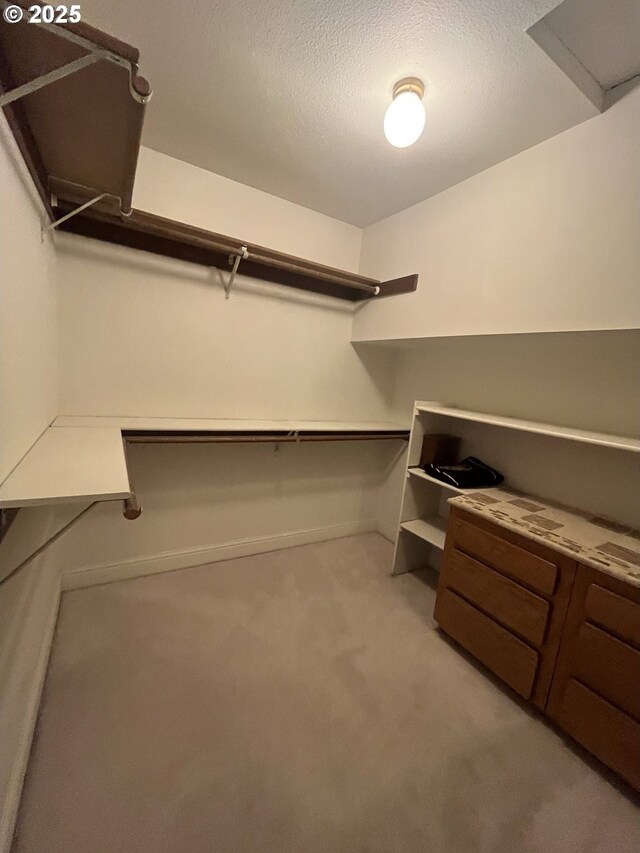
(561, 634)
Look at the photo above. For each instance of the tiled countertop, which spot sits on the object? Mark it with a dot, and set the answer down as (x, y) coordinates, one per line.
(609, 547)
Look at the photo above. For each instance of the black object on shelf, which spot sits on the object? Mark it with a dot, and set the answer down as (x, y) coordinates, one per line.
(471, 473)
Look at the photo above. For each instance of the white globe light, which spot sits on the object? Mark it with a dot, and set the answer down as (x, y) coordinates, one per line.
(404, 119)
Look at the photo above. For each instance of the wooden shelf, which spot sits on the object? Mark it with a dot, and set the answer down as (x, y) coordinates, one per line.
(69, 465)
(603, 439)
(166, 237)
(432, 530)
(421, 475)
(85, 128)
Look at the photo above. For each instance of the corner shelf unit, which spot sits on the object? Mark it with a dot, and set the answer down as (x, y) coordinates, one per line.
(545, 460)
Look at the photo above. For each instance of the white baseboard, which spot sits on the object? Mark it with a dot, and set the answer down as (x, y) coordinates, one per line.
(21, 705)
(169, 561)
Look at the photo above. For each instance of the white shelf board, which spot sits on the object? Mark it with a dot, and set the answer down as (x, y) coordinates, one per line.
(433, 529)
(69, 465)
(418, 472)
(615, 441)
(226, 424)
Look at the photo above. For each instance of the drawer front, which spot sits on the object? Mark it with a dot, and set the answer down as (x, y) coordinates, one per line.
(507, 602)
(604, 730)
(618, 615)
(505, 655)
(608, 666)
(517, 563)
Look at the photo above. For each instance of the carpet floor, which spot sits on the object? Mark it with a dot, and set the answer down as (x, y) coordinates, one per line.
(299, 701)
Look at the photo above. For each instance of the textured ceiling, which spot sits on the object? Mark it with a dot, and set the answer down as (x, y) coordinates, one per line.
(603, 34)
(290, 96)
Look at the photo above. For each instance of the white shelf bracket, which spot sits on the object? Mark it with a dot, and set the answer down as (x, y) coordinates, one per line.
(53, 225)
(235, 260)
(45, 79)
(71, 67)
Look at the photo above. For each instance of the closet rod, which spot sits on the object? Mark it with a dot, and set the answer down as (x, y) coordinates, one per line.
(373, 289)
(277, 439)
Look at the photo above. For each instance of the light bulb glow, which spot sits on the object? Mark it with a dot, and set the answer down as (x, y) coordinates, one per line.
(404, 119)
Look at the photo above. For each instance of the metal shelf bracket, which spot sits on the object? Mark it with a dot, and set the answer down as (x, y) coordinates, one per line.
(71, 67)
(46, 228)
(235, 260)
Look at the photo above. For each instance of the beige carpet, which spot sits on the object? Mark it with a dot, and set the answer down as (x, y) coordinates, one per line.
(294, 701)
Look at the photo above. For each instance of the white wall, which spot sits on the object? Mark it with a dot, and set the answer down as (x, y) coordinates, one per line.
(169, 187)
(142, 335)
(28, 403)
(148, 336)
(589, 380)
(202, 503)
(28, 368)
(545, 241)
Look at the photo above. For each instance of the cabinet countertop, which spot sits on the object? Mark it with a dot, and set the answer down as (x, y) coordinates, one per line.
(596, 542)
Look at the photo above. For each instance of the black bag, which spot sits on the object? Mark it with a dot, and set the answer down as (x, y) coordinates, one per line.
(471, 473)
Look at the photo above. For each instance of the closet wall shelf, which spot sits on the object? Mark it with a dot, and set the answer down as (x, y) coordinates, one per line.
(619, 442)
(84, 128)
(69, 465)
(166, 237)
(223, 430)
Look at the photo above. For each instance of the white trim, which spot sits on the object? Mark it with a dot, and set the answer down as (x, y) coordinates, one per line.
(28, 712)
(170, 561)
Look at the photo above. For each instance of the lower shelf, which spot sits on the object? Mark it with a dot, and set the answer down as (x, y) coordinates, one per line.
(422, 475)
(432, 530)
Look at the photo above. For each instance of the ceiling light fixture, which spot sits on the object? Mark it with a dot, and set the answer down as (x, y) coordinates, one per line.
(404, 118)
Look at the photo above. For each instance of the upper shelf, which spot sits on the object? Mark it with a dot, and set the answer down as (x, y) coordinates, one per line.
(69, 465)
(169, 238)
(587, 437)
(85, 127)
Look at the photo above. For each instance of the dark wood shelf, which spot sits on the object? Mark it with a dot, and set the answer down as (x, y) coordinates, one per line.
(84, 128)
(160, 236)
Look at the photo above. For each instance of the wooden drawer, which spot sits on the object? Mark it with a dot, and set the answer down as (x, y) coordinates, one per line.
(618, 615)
(519, 563)
(511, 659)
(604, 730)
(608, 666)
(510, 604)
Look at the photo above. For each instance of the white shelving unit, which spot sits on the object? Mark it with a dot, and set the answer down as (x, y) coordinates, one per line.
(589, 470)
